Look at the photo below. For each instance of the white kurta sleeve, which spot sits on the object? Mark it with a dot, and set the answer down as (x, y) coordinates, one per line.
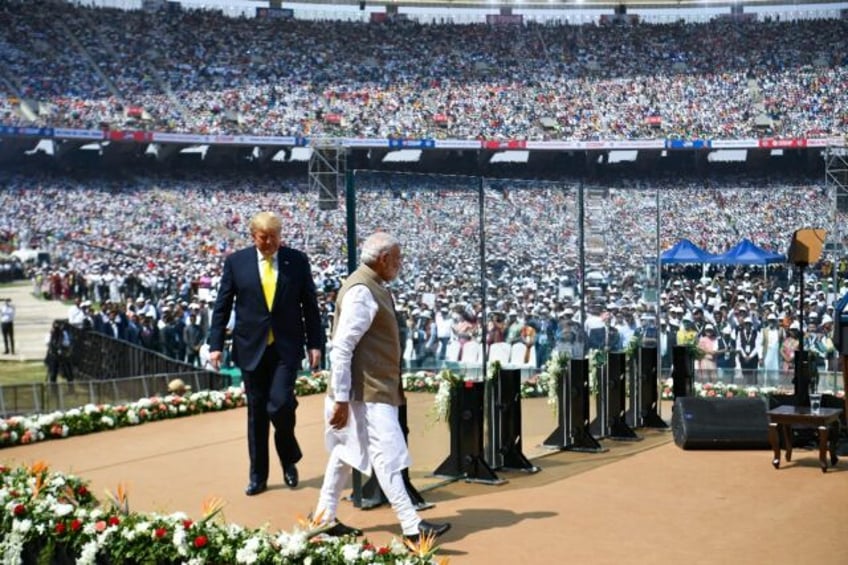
(358, 309)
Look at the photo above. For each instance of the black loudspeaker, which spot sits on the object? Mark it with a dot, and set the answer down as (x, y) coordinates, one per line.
(720, 423)
(466, 436)
(507, 421)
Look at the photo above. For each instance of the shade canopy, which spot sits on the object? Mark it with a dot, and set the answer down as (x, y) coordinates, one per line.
(684, 251)
(747, 253)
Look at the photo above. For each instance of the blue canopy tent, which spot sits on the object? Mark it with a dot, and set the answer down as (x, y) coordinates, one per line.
(747, 253)
(684, 251)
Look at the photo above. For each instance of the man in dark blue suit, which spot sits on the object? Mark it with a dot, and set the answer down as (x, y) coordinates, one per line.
(276, 317)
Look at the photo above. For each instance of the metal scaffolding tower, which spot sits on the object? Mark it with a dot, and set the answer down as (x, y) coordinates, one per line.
(327, 168)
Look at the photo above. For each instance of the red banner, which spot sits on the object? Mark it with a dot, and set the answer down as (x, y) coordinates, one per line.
(136, 136)
(771, 143)
(511, 144)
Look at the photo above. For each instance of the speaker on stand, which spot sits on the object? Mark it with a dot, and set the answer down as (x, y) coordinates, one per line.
(466, 417)
(505, 422)
(644, 393)
(610, 421)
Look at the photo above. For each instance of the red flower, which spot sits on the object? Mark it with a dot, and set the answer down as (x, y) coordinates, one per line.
(60, 528)
(187, 524)
(200, 541)
(383, 551)
(160, 532)
(114, 520)
(76, 524)
(82, 491)
(19, 510)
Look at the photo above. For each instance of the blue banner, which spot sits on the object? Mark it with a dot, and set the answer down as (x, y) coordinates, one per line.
(412, 143)
(26, 131)
(687, 143)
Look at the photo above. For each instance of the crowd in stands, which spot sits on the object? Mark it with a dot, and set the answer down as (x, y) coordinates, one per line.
(147, 250)
(202, 72)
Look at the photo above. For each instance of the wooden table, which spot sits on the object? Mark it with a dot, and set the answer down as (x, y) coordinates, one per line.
(784, 417)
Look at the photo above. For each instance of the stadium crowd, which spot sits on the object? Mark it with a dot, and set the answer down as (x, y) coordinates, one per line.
(147, 250)
(202, 72)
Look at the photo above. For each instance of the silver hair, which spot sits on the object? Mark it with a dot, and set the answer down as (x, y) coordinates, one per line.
(375, 245)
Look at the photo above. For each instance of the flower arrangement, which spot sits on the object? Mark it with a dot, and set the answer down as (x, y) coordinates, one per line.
(549, 379)
(312, 383)
(723, 390)
(448, 380)
(52, 517)
(421, 381)
(20, 430)
(633, 345)
(597, 359)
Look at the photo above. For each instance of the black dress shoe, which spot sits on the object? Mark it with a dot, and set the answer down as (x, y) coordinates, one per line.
(290, 475)
(428, 529)
(255, 488)
(339, 530)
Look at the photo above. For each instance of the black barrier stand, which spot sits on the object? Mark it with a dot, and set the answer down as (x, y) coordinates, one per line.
(610, 401)
(682, 372)
(505, 422)
(466, 437)
(573, 401)
(644, 398)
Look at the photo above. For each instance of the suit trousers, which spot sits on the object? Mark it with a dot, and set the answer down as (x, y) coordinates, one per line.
(271, 400)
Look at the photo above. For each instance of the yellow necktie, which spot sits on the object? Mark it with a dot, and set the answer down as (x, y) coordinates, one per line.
(269, 287)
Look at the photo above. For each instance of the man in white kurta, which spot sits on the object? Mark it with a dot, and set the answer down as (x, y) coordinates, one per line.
(361, 408)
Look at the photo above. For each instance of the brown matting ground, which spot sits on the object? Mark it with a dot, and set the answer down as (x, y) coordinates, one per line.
(641, 502)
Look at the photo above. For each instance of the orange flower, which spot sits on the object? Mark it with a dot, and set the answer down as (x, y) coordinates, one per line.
(212, 505)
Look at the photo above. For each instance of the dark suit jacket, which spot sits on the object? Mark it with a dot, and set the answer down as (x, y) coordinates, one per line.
(296, 320)
(598, 339)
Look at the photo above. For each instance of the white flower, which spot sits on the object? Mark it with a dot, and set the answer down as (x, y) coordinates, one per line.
(22, 526)
(350, 552)
(63, 509)
(179, 540)
(292, 545)
(88, 554)
(107, 421)
(397, 548)
(132, 417)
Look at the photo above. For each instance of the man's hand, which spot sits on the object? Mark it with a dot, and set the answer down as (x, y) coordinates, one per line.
(341, 411)
(314, 359)
(215, 359)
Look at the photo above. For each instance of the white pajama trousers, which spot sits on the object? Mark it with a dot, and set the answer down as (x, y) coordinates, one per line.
(387, 454)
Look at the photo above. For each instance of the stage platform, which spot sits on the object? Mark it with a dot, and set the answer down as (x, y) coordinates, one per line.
(644, 502)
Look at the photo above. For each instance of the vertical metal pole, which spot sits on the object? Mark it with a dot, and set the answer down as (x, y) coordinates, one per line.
(350, 218)
(350, 205)
(659, 307)
(581, 242)
(492, 448)
(481, 207)
(835, 235)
